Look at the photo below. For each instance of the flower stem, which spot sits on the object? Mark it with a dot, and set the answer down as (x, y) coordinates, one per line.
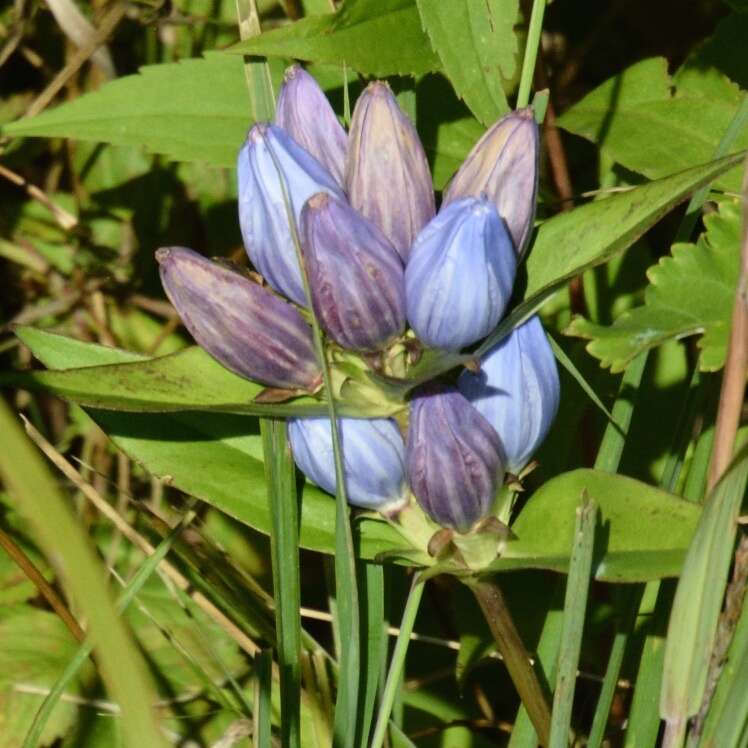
(531, 52)
(398, 662)
(517, 661)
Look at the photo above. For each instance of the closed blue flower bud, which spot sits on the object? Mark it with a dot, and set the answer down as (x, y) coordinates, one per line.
(517, 390)
(355, 275)
(270, 155)
(387, 174)
(373, 458)
(304, 112)
(503, 165)
(455, 459)
(242, 325)
(459, 275)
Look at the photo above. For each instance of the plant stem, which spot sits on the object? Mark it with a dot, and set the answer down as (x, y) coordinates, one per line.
(398, 662)
(531, 52)
(736, 367)
(516, 659)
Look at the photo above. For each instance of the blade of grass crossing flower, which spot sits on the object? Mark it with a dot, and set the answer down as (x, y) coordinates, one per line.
(569, 365)
(76, 662)
(397, 663)
(614, 439)
(698, 601)
(256, 70)
(374, 636)
(284, 549)
(575, 607)
(37, 495)
(531, 52)
(263, 671)
(346, 588)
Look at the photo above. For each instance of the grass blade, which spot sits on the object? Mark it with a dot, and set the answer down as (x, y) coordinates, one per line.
(125, 598)
(263, 667)
(698, 601)
(727, 719)
(284, 549)
(398, 662)
(28, 480)
(571, 367)
(575, 607)
(371, 583)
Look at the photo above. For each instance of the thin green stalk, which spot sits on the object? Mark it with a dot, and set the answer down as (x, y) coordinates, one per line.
(398, 662)
(123, 601)
(531, 52)
(374, 638)
(263, 671)
(575, 608)
(629, 605)
(345, 559)
(284, 549)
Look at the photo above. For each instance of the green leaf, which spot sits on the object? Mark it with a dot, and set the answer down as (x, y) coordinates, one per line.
(194, 110)
(642, 123)
(374, 37)
(187, 380)
(643, 532)
(592, 234)
(218, 458)
(691, 292)
(39, 498)
(477, 47)
(37, 661)
(213, 456)
(698, 599)
(723, 51)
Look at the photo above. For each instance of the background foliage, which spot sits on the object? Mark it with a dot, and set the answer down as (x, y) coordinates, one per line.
(151, 513)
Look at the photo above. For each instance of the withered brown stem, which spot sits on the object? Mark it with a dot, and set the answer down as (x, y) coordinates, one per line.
(512, 649)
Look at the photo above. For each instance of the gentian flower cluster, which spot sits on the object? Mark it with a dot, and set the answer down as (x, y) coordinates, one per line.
(385, 269)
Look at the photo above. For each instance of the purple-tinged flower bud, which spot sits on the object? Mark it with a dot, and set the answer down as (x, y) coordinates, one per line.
(304, 112)
(459, 275)
(387, 174)
(373, 458)
(355, 275)
(242, 325)
(517, 390)
(503, 165)
(455, 459)
(269, 158)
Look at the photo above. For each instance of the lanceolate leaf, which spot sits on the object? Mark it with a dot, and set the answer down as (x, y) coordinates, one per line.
(691, 292)
(187, 380)
(194, 110)
(217, 457)
(646, 125)
(477, 47)
(374, 37)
